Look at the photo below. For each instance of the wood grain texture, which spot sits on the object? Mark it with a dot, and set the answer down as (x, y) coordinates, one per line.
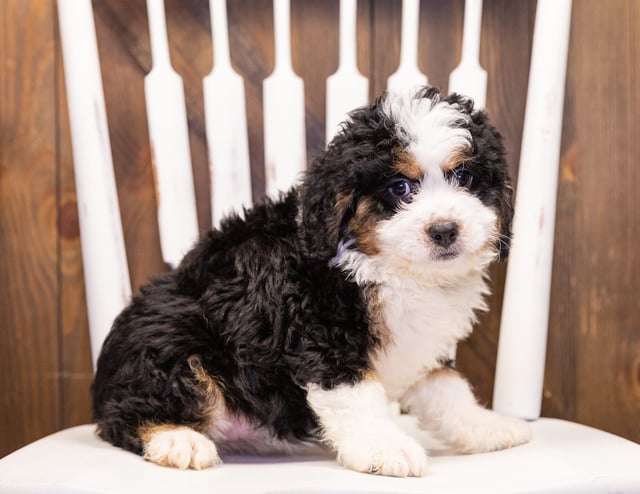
(601, 177)
(125, 60)
(593, 360)
(30, 404)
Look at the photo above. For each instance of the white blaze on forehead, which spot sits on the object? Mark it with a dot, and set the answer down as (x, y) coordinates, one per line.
(432, 127)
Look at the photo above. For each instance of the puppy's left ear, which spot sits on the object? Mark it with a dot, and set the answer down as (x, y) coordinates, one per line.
(505, 215)
(488, 148)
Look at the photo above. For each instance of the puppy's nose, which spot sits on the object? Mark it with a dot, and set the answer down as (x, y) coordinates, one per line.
(443, 234)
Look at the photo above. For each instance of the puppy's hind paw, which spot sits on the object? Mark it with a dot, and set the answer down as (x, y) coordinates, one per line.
(393, 456)
(179, 447)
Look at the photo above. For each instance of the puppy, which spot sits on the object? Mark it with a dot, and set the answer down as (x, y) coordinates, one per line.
(302, 320)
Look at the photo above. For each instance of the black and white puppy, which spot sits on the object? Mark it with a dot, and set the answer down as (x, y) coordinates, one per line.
(302, 320)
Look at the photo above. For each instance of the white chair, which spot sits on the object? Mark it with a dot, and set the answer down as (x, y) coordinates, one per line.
(562, 458)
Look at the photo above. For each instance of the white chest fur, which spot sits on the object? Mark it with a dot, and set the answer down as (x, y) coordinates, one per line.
(424, 323)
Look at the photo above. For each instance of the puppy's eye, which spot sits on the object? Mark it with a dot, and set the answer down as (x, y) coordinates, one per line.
(400, 188)
(462, 176)
(397, 190)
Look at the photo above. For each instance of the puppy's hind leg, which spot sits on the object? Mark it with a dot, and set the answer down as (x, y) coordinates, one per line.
(178, 446)
(163, 417)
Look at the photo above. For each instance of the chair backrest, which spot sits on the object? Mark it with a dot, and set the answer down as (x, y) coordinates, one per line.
(521, 354)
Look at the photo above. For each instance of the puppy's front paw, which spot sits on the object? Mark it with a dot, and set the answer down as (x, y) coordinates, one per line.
(394, 455)
(180, 447)
(483, 430)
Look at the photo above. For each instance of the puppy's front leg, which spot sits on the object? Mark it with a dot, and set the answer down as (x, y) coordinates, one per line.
(444, 405)
(356, 422)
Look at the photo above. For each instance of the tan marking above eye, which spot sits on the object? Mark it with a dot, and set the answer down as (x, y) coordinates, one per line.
(363, 225)
(406, 165)
(457, 158)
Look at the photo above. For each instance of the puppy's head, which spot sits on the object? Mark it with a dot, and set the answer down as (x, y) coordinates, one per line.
(415, 182)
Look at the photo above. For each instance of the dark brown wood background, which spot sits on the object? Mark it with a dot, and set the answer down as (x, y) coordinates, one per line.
(593, 364)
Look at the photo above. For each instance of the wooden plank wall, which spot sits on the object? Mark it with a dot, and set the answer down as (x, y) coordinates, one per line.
(593, 365)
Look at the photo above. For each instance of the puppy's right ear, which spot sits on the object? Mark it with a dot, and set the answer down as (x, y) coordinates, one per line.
(328, 197)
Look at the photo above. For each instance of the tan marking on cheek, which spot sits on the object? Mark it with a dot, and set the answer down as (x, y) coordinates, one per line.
(406, 165)
(343, 201)
(364, 226)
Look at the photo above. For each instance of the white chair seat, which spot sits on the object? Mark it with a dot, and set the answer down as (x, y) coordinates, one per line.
(563, 458)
